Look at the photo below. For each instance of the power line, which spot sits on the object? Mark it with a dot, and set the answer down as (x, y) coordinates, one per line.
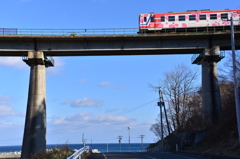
(237, 7)
(91, 123)
(102, 120)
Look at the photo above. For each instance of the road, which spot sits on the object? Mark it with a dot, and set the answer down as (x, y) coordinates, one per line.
(142, 155)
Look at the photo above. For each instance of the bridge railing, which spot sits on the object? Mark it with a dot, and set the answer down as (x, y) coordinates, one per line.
(75, 32)
(79, 153)
(109, 31)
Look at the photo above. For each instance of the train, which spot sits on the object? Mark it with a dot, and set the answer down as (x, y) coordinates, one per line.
(191, 20)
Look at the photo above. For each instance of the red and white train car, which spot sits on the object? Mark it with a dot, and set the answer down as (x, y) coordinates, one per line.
(190, 19)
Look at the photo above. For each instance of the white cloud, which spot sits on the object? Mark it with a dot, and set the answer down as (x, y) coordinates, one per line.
(76, 118)
(58, 64)
(79, 116)
(85, 102)
(59, 121)
(83, 80)
(111, 118)
(120, 87)
(89, 119)
(6, 111)
(149, 122)
(96, 127)
(67, 101)
(104, 84)
(17, 63)
(111, 110)
(13, 62)
(5, 100)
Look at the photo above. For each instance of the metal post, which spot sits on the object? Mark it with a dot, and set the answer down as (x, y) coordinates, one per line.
(235, 79)
(161, 127)
(107, 147)
(160, 104)
(142, 136)
(119, 140)
(128, 139)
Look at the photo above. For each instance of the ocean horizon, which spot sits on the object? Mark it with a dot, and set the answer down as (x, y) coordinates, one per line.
(101, 147)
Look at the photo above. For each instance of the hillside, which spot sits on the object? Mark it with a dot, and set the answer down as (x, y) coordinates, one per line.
(222, 140)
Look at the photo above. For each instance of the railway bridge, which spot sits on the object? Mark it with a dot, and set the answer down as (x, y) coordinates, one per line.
(35, 46)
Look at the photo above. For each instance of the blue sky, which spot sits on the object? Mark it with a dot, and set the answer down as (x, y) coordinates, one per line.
(83, 91)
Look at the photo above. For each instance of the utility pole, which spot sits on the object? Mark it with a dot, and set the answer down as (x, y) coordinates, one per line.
(119, 140)
(141, 136)
(84, 140)
(128, 139)
(107, 147)
(162, 104)
(235, 79)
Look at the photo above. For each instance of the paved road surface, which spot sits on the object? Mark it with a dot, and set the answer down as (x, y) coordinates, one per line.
(143, 155)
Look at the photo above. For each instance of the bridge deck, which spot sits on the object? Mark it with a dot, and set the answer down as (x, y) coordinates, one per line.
(115, 44)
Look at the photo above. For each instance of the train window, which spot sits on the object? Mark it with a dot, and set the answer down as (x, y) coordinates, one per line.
(224, 16)
(181, 17)
(203, 17)
(162, 19)
(192, 17)
(152, 19)
(145, 19)
(213, 16)
(171, 18)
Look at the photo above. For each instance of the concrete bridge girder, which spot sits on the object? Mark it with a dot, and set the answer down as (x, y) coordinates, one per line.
(116, 45)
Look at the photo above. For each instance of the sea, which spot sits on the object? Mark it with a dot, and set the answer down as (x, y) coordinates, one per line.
(111, 147)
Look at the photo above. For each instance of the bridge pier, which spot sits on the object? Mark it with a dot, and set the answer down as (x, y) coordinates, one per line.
(211, 99)
(34, 139)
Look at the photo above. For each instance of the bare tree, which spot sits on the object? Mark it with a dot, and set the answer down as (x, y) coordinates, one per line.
(156, 128)
(226, 74)
(178, 84)
(227, 86)
(183, 99)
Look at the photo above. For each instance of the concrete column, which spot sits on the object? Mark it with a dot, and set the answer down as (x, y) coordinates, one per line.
(211, 99)
(34, 139)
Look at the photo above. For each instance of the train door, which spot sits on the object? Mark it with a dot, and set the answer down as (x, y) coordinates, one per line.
(143, 21)
(152, 22)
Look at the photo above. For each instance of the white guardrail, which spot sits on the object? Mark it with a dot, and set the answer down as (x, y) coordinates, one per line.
(78, 154)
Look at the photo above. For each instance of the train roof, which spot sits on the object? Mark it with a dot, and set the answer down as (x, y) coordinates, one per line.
(190, 11)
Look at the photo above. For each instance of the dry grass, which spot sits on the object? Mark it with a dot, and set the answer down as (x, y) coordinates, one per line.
(54, 153)
(223, 139)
